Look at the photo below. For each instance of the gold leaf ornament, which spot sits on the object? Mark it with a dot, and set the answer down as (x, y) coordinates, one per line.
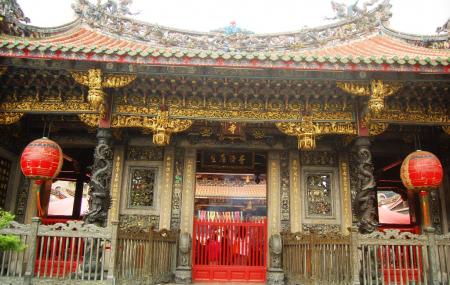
(376, 90)
(96, 81)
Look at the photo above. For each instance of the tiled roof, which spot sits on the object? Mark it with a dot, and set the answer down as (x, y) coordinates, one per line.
(374, 49)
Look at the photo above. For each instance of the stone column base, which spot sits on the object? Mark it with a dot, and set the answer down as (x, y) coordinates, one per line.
(183, 275)
(275, 276)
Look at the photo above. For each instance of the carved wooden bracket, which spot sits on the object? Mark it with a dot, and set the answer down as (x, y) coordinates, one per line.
(162, 126)
(8, 118)
(96, 81)
(376, 90)
(446, 129)
(92, 120)
(306, 131)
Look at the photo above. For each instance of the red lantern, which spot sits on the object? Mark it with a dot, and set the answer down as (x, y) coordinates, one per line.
(421, 171)
(41, 159)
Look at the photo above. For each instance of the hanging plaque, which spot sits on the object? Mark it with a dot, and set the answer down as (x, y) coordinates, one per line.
(211, 159)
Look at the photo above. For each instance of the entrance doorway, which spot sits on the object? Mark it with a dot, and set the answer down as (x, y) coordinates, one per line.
(230, 226)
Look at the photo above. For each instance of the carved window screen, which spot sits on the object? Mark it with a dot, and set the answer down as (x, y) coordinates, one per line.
(319, 195)
(141, 187)
(5, 167)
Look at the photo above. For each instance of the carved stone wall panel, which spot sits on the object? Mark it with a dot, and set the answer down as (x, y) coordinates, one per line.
(285, 191)
(138, 221)
(436, 211)
(22, 200)
(177, 188)
(141, 188)
(320, 195)
(148, 153)
(315, 158)
(321, 228)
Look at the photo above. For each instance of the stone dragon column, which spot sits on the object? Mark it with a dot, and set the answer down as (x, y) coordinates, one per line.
(99, 193)
(364, 203)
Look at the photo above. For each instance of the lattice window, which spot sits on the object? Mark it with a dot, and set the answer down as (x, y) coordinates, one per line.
(5, 167)
(142, 183)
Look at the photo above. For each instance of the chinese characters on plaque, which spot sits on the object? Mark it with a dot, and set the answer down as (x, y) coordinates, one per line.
(227, 159)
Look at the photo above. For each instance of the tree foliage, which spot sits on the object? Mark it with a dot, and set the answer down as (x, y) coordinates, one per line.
(9, 242)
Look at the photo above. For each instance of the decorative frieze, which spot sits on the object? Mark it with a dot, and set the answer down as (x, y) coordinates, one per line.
(138, 221)
(145, 153)
(322, 228)
(319, 158)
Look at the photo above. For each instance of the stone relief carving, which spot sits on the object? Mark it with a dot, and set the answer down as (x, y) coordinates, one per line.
(110, 17)
(326, 158)
(138, 221)
(177, 189)
(284, 192)
(365, 202)
(142, 187)
(319, 196)
(145, 153)
(322, 228)
(99, 193)
(22, 199)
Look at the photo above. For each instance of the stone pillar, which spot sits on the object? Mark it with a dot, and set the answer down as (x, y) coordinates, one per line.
(31, 202)
(346, 198)
(275, 274)
(183, 273)
(273, 193)
(365, 204)
(119, 155)
(100, 198)
(166, 188)
(295, 197)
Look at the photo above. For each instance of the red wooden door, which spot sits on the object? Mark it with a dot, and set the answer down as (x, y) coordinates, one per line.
(229, 251)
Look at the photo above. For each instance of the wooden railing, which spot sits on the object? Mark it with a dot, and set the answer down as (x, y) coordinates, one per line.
(146, 256)
(385, 257)
(77, 253)
(324, 259)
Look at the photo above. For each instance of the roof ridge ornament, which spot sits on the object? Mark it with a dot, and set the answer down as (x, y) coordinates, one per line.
(111, 19)
(343, 11)
(121, 8)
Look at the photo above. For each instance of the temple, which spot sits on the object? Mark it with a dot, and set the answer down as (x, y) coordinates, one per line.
(225, 155)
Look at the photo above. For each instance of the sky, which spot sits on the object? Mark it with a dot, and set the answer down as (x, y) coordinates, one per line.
(259, 16)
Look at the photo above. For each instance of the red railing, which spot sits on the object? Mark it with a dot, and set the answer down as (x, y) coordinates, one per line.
(228, 250)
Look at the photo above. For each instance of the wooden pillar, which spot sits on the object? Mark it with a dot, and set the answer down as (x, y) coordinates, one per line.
(187, 202)
(166, 188)
(273, 193)
(116, 191)
(295, 196)
(346, 199)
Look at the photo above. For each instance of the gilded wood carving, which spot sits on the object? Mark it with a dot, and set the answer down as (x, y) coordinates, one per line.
(307, 130)
(96, 81)
(377, 90)
(162, 126)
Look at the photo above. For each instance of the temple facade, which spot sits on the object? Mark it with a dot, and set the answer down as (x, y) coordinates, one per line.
(237, 144)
